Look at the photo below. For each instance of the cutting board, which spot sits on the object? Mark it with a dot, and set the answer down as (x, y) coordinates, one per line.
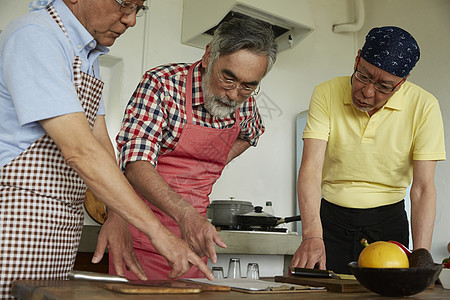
(331, 284)
(164, 287)
(257, 286)
(126, 288)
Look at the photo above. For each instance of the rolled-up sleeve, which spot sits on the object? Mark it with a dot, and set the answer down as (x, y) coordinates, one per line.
(252, 126)
(143, 124)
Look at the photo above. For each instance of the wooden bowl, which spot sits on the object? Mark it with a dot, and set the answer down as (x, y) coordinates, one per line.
(396, 282)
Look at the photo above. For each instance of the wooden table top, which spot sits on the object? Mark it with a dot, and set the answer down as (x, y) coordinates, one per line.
(87, 290)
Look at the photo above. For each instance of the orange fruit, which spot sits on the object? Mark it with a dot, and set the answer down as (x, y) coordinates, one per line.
(383, 255)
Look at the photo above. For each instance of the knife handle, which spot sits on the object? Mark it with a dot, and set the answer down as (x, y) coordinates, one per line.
(316, 273)
(94, 276)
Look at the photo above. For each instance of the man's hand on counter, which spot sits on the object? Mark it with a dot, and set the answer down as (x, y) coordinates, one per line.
(201, 235)
(310, 252)
(115, 235)
(178, 254)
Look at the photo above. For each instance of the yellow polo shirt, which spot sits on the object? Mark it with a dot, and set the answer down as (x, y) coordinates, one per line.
(369, 160)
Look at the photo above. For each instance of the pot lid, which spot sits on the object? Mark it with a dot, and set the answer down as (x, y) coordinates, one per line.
(258, 212)
(228, 202)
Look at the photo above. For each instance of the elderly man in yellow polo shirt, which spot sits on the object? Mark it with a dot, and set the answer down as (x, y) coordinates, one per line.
(367, 136)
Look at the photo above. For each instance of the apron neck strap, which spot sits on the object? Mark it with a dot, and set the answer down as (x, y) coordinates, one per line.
(188, 92)
(54, 14)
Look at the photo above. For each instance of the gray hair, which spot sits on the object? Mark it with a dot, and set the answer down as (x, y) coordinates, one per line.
(244, 33)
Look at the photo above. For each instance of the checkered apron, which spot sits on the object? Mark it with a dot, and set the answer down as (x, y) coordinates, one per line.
(41, 198)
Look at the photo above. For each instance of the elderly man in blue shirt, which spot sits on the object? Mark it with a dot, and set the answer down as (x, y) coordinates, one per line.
(54, 143)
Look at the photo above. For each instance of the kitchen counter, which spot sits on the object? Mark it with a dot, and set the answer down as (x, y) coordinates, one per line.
(238, 242)
(71, 290)
(254, 242)
(274, 244)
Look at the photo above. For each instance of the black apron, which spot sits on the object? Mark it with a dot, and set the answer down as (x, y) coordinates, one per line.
(343, 229)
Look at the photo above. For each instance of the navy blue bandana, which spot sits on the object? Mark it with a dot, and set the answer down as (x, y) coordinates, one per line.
(391, 49)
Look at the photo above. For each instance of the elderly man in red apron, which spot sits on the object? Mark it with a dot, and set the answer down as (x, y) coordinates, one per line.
(42, 187)
(184, 123)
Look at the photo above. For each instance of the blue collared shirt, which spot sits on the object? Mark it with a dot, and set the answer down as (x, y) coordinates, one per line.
(36, 75)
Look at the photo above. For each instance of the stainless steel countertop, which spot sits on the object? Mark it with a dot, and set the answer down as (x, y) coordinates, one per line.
(254, 242)
(238, 242)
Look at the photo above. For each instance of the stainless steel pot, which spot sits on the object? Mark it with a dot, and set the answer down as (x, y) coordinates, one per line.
(223, 212)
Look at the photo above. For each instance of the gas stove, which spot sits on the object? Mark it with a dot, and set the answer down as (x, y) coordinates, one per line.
(253, 228)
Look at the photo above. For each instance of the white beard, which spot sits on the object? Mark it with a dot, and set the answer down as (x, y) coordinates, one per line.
(219, 106)
(216, 105)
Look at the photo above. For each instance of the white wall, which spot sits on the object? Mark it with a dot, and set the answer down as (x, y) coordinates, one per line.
(11, 9)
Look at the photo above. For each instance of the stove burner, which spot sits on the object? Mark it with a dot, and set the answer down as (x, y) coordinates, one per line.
(221, 227)
(252, 228)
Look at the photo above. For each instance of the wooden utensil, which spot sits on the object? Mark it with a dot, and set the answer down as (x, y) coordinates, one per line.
(95, 208)
(164, 287)
(126, 288)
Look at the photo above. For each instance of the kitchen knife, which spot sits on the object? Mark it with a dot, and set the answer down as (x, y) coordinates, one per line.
(85, 275)
(169, 283)
(316, 273)
(93, 276)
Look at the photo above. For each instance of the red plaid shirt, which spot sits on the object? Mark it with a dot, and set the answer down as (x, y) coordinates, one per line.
(155, 116)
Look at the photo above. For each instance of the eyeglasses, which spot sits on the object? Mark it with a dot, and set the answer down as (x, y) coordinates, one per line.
(230, 84)
(128, 7)
(385, 89)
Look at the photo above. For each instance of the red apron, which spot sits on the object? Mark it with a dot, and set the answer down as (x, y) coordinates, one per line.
(41, 201)
(191, 170)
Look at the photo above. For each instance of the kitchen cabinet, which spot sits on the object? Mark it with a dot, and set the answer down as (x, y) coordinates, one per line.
(86, 250)
(83, 263)
(272, 251)
(254, 242)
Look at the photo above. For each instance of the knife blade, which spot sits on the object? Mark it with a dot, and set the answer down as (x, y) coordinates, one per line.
(86, 275)
(169, 283)
(94, 276)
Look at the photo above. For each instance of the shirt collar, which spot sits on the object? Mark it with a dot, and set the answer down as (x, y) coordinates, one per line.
(396, 101)
(80, 38)
(197, 96)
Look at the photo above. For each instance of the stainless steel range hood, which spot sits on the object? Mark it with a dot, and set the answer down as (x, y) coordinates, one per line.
(290, 19)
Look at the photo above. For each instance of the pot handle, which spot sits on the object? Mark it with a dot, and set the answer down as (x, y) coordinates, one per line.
(292, 219)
